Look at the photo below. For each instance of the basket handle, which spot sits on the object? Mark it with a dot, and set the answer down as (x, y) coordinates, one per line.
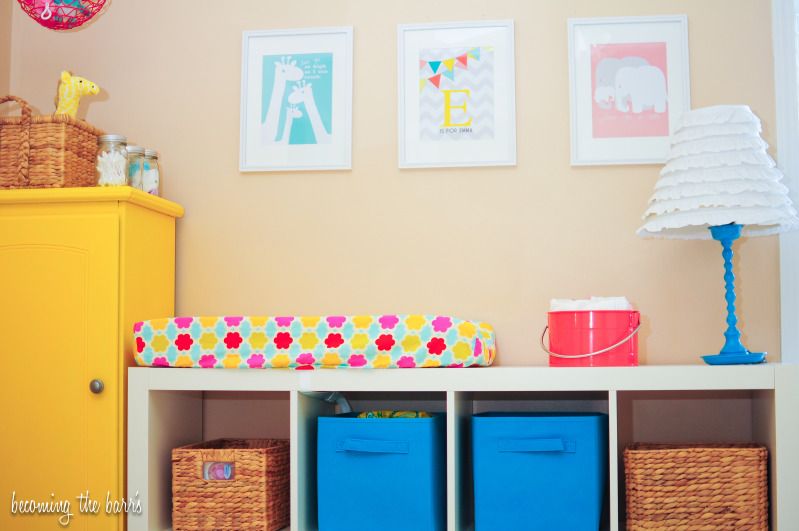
(25, 141)
(218, 470)
(575, 356)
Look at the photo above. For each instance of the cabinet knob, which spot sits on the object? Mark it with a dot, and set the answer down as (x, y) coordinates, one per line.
(96, 386)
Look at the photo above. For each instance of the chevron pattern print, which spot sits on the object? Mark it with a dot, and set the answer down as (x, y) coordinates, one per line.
(456, 99)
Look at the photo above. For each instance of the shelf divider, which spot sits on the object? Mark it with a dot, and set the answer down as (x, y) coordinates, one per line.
(613, 459)
(784, 452)
(460, 509)
(304, 411)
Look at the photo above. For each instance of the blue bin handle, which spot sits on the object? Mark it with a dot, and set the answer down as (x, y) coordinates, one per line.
(372, 446)
(536, 445)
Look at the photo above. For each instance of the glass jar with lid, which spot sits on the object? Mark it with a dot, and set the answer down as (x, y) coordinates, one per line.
(135, 166)
(151, 175)
(112, 160)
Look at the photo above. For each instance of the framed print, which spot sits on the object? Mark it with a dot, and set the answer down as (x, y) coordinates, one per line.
(456, 95)
(296, 100)
(629, 82)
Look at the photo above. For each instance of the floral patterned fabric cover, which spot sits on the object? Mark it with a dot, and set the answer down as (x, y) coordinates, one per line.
(304, 342)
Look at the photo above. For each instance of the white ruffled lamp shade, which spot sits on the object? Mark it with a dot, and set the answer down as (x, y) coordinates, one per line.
(720, 183)
(718, 172)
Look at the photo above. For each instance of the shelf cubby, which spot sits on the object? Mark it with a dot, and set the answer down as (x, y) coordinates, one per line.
(469, 403)
(692, 416)
(306, 409)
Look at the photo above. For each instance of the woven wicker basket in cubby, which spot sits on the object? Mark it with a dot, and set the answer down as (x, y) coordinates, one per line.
(255, 496)
(696, 487)
(49, 151)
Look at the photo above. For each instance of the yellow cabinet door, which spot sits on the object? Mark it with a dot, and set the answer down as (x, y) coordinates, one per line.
(58, 332)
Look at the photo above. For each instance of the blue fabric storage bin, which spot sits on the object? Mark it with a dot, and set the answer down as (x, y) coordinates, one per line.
(381, 474)
(539, 471)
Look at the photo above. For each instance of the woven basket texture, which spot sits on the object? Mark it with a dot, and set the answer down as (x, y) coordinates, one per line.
(700, 487)
(256, 498)
(49, 151)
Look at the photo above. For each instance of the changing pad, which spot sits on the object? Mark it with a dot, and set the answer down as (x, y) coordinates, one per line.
(305, 342)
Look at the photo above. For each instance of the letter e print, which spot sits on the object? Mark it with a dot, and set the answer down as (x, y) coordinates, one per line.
(456, 94)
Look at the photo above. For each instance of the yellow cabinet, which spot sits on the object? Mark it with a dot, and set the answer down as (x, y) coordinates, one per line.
(77, 268)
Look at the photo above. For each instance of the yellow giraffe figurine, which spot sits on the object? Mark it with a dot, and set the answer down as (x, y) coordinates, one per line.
(70, 91)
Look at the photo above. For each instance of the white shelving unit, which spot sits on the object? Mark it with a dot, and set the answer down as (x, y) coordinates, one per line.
(166, 408)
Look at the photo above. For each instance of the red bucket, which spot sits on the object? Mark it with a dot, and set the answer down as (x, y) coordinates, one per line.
(593, 338)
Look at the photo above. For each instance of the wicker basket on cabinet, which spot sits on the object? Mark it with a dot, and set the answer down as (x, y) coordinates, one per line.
(255, 497)
(696, 487)
(48, 151)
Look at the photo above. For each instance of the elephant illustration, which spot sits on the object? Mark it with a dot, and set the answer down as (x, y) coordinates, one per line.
(605, 77)
(639, 88)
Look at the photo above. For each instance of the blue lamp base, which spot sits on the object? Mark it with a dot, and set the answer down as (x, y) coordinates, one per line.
(733, 352)
(740, 358)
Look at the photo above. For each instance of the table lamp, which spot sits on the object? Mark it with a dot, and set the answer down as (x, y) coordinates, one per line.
(719, 182)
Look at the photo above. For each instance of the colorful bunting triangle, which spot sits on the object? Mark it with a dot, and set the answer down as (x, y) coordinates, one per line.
(460, 61)
(422, 83)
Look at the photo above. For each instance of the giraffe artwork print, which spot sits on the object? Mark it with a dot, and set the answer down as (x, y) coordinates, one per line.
(297, 99)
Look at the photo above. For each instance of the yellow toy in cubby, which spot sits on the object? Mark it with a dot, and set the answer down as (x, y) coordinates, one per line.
(70, 91)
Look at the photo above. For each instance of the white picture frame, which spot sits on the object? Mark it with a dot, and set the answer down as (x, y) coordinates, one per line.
(471, 122)
(618, 70)
(296, 100)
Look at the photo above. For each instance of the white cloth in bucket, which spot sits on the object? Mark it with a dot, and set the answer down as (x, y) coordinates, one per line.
(594, 303)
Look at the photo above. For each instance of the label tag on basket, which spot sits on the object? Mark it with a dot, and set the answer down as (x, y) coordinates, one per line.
(215, 470)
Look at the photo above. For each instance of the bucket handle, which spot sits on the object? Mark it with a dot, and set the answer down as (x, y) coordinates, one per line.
(575, 356)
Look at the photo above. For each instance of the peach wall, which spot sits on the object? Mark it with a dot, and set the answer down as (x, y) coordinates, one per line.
(488, 243)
